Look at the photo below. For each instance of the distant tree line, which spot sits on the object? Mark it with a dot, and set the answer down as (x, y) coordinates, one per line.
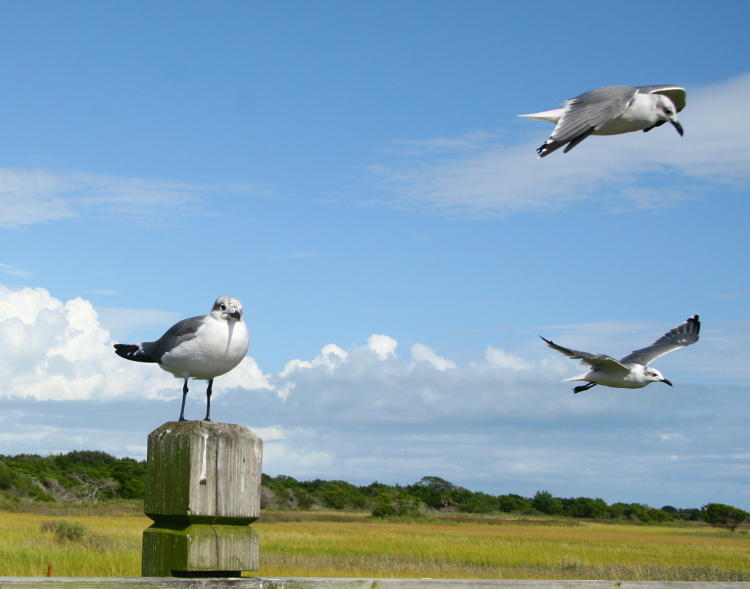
(91, 476)
(81, 477)
(436, 494)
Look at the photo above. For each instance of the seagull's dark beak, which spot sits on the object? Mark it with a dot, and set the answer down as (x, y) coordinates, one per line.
(678, 126)
(666, 381)
(235, 315)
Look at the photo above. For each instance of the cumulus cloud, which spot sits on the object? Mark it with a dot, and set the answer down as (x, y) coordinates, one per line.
(495, 178)
(55, 350)
(423, 353)
(383, 345)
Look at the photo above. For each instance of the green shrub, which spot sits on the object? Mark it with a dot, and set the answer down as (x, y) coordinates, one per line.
(64, 530)
(390, 504)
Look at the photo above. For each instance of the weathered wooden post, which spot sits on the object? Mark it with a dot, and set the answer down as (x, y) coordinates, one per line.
(203, 492)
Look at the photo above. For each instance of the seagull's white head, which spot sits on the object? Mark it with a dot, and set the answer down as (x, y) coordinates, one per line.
(667, 112)
(653, 375)
(227, 309)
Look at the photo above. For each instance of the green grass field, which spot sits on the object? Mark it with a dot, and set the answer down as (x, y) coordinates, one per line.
(353, 545)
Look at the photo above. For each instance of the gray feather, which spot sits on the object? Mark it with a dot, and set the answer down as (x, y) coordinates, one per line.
(591, 110)
(180, 332)
(595, 360)
(679, 337)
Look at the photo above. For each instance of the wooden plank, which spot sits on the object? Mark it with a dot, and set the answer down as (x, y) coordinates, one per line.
(336, 583)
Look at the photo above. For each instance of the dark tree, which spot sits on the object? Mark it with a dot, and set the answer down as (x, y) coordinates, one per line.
(723, 516)
(546, 503)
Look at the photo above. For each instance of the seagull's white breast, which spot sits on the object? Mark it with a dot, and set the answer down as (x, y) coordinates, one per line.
(634, 379)
(218, 346)
(641, 113)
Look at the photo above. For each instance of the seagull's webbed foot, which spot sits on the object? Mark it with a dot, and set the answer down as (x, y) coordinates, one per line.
(584, 387)
(208, 400)
(184, 394)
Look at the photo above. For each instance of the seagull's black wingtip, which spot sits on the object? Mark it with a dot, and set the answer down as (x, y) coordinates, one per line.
(696, 323)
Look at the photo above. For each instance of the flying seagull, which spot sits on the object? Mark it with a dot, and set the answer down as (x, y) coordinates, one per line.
(201, 347)
(632, 371)
(611, 110)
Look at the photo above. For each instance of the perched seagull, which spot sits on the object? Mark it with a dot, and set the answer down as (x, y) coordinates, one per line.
(632, 371)
(611, 110)
(200, 347)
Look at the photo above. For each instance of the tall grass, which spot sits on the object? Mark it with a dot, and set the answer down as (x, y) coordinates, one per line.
(356, 546)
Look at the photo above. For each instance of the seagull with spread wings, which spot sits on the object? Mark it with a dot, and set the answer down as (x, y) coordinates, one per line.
(632, 371)
(611, 110)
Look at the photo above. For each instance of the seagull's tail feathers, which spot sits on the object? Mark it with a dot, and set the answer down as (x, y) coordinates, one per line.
(548, 115)
(133, 352)
(581, 376)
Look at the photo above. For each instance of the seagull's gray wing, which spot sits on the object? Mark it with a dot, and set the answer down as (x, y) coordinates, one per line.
(587, 113)
(599, 361)
(181, 331)
(676, 94)
(679, 337)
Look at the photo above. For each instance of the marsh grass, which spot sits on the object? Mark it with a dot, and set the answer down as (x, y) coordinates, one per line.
(355, 545)
(503, 549)
(88, 546)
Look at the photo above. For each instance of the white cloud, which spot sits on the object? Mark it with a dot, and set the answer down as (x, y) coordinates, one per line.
(495, 179)
(502, 359)
(384, 346)
(32, 196)
(671, 437)
(35, 196)
(247, 375)
(464, 142)
(423, 353)
(292, 450)
(13, 271)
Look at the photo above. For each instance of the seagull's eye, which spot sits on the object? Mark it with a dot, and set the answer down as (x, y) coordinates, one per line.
(223, 307)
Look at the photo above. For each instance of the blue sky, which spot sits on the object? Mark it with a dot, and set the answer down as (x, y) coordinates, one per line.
(356, 174)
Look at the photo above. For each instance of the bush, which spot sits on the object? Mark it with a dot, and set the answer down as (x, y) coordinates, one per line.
(479, 503)
(64, 530)
(341, 495)
(392, 504)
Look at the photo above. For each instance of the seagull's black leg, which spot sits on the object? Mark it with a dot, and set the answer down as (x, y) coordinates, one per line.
(208, 400)
(184, 394)
(584, 387)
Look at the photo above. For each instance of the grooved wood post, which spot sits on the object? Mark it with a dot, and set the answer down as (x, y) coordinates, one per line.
(203, 492)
